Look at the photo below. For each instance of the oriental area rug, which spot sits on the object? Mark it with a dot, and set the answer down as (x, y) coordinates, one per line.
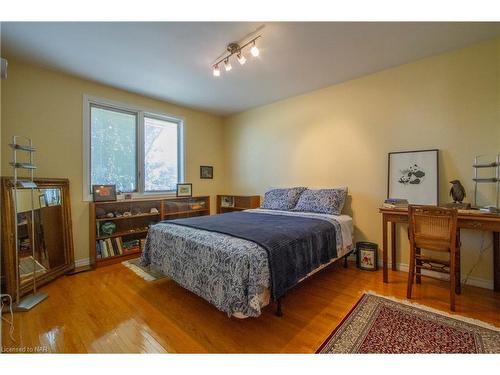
(386, 325)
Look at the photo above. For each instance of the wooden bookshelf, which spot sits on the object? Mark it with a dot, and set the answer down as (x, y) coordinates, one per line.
(239, 202)
(132, 228)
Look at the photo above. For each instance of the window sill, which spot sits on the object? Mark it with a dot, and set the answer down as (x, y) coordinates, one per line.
(136, 196)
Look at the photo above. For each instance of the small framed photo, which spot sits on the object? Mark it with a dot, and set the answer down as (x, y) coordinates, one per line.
(206, 172)
(184, 190)
(414, 176)
(104, 193)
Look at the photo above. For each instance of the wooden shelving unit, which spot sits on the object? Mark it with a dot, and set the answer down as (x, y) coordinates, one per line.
(239, 202)
(133, 228)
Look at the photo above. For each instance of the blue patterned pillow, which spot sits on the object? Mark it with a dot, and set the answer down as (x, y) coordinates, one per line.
(324, 201)
(282, 199)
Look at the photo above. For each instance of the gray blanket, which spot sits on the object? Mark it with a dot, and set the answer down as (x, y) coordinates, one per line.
(295, 245)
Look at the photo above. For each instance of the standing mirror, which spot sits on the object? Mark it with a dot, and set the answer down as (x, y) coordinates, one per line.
(45, 243)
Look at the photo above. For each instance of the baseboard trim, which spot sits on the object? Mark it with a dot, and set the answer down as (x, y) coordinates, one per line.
(473, 281)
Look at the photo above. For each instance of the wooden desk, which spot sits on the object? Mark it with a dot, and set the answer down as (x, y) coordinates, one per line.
(474, 220)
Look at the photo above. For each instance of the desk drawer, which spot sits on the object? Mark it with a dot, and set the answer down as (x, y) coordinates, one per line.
(396, 218)
(479, 225)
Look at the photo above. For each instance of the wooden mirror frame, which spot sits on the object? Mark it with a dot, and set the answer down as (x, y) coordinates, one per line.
(8, 233)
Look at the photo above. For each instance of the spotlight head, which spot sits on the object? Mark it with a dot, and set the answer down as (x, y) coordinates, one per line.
(227, 65)
(241, 59)
(254, 50)
(216, 71)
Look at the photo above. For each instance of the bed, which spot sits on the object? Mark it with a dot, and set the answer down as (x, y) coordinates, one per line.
(230, 260)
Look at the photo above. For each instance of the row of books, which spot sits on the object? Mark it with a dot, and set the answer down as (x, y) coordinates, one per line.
(395, 203)
(110, 247)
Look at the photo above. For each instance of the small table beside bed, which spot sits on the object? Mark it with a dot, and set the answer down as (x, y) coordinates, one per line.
(240, 261)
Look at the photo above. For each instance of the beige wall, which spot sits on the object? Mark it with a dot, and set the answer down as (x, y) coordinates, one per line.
(341, 135)
(47, 106)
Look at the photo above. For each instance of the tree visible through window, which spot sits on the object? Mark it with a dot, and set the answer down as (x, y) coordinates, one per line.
(160, 154)
(113, 148)
(114, 153)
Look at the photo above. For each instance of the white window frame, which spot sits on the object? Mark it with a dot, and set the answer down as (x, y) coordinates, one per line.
(88, 101)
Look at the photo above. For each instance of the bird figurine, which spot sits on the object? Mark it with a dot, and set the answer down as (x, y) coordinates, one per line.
(457, 191)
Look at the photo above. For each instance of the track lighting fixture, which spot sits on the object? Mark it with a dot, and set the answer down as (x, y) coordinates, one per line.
(238, 50)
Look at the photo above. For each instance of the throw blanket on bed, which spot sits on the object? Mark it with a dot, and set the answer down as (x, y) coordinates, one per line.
(295, 245)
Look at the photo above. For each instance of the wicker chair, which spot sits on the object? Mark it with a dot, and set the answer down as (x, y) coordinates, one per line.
(434, 229)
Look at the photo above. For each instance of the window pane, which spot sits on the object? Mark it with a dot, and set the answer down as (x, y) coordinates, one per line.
(113, 148)
(160, 154)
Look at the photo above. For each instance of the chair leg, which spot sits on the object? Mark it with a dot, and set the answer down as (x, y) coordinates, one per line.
(418, 271)
(411, 271)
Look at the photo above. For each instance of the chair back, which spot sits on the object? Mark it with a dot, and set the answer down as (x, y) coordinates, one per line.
(433, 228)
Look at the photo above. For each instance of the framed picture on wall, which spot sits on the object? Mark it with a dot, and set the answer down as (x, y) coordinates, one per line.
(414, 175)
(206, 172)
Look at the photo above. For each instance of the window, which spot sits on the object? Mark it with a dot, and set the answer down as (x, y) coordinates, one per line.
(161, 149)
(134, 149)
(113, 148)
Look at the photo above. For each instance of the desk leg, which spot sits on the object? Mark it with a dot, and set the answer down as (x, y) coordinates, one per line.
(393, 246)
(384, 248)
(496, 261)
(458, 276)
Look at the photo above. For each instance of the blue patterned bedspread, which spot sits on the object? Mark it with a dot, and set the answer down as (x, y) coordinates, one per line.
(295, 245)
(230, 272)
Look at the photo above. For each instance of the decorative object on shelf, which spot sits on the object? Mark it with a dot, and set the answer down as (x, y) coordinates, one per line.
(230, 203)
(184, 190)
(237, 48)
(227, 201)
(488, 179)
(153, 210)
(104, 193)
(110, 214)
(108, 228)
(414, 175)
(366, 256)
(100, 213)
(136, 211)
(127, 213)
(206, 172)
(457, 193)
(127, 196)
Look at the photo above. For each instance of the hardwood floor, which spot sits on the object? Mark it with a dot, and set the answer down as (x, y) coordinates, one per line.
(112, 310)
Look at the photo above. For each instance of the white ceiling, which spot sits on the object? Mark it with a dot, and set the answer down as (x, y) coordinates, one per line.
(171, 60)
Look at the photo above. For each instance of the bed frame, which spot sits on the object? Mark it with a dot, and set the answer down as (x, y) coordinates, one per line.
(279, 308)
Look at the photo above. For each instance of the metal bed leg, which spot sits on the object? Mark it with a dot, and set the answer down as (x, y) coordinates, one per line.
(345, 260)
(279, 312)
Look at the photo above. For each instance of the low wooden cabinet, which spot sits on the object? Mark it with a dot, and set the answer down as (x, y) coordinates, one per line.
(130, 220)
(229, 203)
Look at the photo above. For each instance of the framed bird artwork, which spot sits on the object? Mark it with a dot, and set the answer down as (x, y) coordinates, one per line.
(414, 176)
